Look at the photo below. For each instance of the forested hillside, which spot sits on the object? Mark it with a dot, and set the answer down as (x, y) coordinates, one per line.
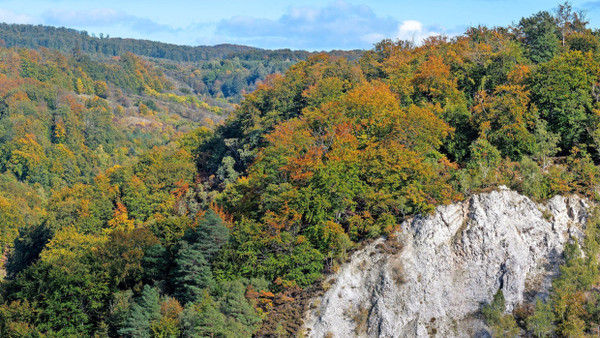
(66, 39)
(125, 212)
(227, 71)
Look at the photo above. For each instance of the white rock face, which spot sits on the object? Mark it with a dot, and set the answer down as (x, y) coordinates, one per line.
(449, 264)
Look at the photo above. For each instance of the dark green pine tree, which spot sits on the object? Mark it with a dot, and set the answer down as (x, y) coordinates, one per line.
(143, 313)
(192, 273)
(209, 235)
(155, 264)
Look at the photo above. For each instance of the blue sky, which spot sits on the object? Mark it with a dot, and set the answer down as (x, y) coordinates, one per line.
(312, 25)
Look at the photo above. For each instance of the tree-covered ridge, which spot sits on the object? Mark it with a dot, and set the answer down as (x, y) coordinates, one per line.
(118, 217)
(226, 70)
(66, 39)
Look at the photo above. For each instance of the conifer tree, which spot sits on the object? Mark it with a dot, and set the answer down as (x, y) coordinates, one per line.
(143, 313)
(192, 273)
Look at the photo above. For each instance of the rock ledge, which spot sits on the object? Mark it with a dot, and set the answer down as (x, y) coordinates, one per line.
(449, 264)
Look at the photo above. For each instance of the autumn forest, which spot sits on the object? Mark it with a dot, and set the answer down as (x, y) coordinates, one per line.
(178, 192)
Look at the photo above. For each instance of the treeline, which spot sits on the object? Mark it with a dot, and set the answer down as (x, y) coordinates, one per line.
(227, 71)
(227, 231)
(66, 40)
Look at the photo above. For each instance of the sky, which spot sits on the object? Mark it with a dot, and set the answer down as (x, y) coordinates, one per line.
(310, 25)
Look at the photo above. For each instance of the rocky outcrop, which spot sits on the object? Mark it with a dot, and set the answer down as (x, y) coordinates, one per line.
(433, 279)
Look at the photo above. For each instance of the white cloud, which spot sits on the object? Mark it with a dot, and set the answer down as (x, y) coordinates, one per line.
(414, 31)
(8, 16)
(410, 26)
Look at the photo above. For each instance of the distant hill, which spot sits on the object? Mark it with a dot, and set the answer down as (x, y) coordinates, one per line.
(221, 71)
(66, 40)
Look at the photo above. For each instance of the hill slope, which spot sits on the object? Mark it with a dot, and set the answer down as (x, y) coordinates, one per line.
(225, 70)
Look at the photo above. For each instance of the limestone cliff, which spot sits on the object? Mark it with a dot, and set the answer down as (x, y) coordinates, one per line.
(434, 278)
